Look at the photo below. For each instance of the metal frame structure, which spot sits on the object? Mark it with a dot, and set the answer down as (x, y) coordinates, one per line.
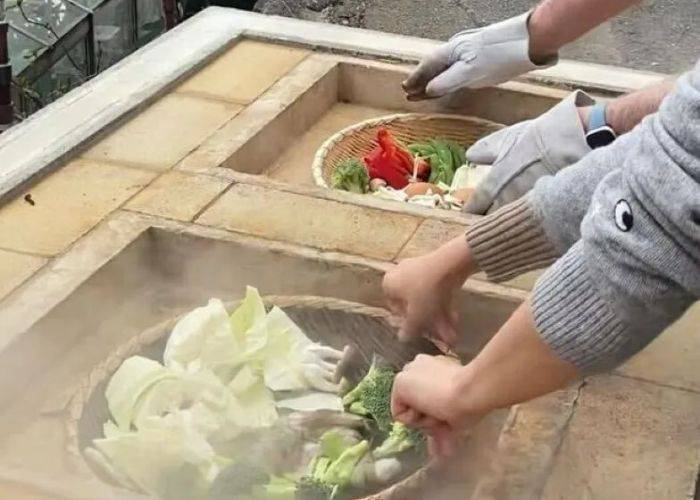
(82, 30)
(6, 111)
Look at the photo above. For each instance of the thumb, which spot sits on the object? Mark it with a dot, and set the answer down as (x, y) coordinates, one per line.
(486, 150)
(455, 77)
(429, 68)
(442, 441)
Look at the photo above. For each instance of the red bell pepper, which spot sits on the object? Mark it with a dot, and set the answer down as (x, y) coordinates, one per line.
(391, 162)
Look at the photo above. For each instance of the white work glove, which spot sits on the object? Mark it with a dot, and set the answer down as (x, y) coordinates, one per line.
(524, 152)
(475, 58)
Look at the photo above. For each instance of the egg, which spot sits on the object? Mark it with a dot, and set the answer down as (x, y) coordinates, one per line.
(421, 188)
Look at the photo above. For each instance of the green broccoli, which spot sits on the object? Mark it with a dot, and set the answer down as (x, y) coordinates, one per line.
(350, 175)
(339, 472)
(278, 488)
(309, 488)
(372, 396)
(400, 439)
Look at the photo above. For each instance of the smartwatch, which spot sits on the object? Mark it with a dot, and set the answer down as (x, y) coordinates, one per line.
(599, 132)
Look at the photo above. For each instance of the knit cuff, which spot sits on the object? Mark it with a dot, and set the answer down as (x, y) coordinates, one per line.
(510, 242)
(574, 320)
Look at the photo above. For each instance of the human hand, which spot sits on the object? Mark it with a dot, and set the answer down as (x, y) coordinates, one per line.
(522, 153)
(420, 291)
(475, 58)
(427, 394)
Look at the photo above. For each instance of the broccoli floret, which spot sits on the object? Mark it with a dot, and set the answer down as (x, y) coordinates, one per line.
(335, 441)
(339, 472)
(372, 396)
(400, 439)
(238, 479)
(350, 175)
(279, 488)
(309, 488)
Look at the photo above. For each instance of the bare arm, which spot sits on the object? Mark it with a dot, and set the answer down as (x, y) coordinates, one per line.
(554, 23)
(624, 113)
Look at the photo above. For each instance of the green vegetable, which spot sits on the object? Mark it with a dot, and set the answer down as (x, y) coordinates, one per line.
(444, 157)
(203, 339)
(335, 441)
(160, 453)
(279, 488)
(372, 395)
(309, 488)
(130, 382)
(459, 155)
(400, 439)
(339, 472)
(350, 175)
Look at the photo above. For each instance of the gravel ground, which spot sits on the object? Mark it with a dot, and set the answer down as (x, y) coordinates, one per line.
(658, 36)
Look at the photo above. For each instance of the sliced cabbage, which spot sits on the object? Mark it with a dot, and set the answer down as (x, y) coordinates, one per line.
(253, 404)
(161, 450)
(204, 339)
(249, 313)
(202, 393)
(313, 402)
(131, 380)
(469, 176)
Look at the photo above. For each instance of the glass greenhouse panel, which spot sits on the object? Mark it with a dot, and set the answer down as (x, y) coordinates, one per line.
(45, 20)
(23, 50)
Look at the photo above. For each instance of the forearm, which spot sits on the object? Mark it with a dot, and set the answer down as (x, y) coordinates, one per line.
(554, 23)
(515, 366)
(625, 112)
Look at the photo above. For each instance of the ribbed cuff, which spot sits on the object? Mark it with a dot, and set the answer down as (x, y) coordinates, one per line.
(510, 242)
(574, 320)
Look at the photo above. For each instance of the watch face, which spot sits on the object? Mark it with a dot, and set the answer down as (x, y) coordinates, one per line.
(600, 137)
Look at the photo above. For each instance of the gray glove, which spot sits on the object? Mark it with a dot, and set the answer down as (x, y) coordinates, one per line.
(524, 152)
(475, 58)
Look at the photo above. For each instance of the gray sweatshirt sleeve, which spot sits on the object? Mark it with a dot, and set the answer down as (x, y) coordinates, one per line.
(636, 265)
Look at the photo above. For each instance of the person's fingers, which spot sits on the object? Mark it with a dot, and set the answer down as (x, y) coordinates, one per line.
(409, 417)
(486, 150)
(453, 78)
(443, 441)
(446, 329)
(429, 68)
(412, 325)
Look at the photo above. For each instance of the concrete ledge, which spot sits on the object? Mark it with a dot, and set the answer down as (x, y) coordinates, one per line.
(37, 145)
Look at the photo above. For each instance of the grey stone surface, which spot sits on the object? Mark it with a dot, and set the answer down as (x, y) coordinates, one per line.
(656, 36)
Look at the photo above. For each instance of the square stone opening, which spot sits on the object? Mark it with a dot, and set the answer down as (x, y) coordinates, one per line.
(160, 273)
(326, 93)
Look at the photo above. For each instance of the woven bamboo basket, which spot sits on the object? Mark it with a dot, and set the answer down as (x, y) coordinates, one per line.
(335, 322)
(358, 140)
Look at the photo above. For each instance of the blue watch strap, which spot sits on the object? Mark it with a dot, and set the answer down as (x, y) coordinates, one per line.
(596, 117)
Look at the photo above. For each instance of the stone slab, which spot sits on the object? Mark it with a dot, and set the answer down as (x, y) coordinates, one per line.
(243, 72)
(177, 195)
(15, 268)
(629, 439)
(527, 445)
(264, 129)
(66, 205)
(309, 221)
(673, 358)
(164, 133)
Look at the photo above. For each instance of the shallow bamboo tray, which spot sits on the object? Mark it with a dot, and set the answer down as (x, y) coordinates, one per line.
(335, 322)
(358, 140)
